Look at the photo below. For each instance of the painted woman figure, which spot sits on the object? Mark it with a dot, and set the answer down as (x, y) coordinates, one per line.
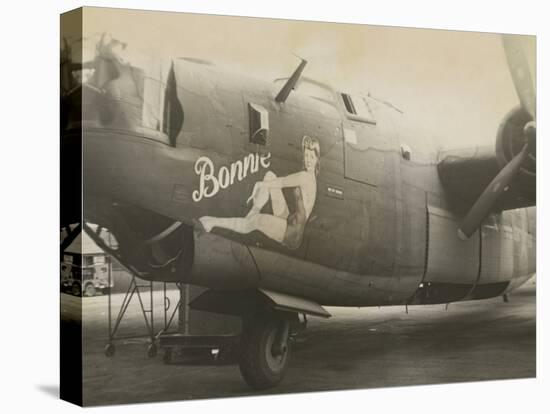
(282, 226)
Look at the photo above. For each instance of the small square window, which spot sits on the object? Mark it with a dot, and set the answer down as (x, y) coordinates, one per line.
(259, 124)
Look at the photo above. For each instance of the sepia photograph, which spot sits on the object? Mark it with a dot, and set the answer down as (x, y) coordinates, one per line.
(274, 207)
(258, 206)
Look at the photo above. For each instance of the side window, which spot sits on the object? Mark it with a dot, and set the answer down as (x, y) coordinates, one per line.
(173, 110)
(357, 108)
(258, 124)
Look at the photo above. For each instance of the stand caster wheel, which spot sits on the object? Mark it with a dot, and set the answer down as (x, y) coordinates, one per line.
(109, 350)
(152, 351)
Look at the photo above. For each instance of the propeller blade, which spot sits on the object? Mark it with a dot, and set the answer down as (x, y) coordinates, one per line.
(485, 202)
(519, 69)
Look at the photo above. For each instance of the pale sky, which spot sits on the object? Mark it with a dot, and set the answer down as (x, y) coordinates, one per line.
(454, 84)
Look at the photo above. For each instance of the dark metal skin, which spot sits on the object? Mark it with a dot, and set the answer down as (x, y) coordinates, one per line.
(383, 228)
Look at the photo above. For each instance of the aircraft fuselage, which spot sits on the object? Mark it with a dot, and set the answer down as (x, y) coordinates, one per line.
(369, 225)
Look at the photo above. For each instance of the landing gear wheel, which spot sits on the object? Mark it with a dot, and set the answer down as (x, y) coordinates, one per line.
(109, 350)
(263, 361)
(89, 290)
(75, 289)
(152, 351)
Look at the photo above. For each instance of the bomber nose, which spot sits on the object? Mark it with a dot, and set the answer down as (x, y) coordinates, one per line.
(112, 90)
(111, 98)
(104, 92)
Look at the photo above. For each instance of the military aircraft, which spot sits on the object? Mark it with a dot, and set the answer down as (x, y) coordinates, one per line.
(283, 197)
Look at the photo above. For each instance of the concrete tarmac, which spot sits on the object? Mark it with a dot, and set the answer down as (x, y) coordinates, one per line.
(356, 348)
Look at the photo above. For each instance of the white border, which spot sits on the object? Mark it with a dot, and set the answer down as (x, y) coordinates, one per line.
(29, 160)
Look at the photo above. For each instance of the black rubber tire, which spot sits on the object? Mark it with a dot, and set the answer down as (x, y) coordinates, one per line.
(89, 290)
(76, 290)
(255, 368)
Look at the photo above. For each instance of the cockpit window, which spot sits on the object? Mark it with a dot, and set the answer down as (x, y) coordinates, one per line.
(122, 88)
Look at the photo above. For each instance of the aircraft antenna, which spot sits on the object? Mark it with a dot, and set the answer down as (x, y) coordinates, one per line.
(290, 84)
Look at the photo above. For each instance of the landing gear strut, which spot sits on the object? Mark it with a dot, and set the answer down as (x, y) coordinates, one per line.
(265, 350)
